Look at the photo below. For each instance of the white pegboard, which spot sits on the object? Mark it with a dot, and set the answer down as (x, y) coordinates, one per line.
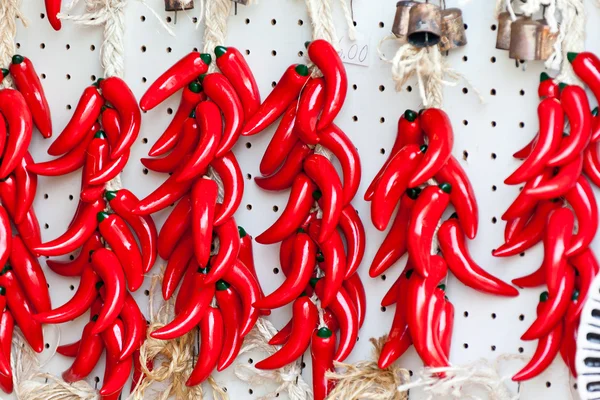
(272, 35)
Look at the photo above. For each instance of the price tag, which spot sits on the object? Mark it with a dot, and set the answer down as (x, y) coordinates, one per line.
(357, 52)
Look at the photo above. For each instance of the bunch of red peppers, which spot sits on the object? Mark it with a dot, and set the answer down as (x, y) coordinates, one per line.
(557, 206)
(424, 316)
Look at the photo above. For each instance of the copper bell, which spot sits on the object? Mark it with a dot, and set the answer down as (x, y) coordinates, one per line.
(178, 5)
(425, 25)
(453, 28)
(400, 27)
(504, 28)
(531, 40)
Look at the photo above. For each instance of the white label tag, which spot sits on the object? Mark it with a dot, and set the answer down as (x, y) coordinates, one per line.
(357, 52)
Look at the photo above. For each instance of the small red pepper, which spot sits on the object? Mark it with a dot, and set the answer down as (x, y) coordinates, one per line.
(6, 332)
(354, 232)
(29, 228)
(391, 296)
(281, 143)
(187, 141)
(547, 87)
(228, 169)
(26, 188)
(15, 110)
(524, 202)
(69, 350)
(106, 264)
(30, 275)
(135, 327)
(587, 268)
(568, 347)
(309, 107)
(187, 285)
(231, 310)
(446, 324)
(535, 279)
(211, 333)
(322, 350)
(166, 194)
(229, 248)
(177, 265)
(52, 10)
(516, 225)
(292, 166)
(246, 285)
(116, 372)
(591, 163)
(526, 151)
(96, 158)
(204, 199)
(5, 237)
(583, 201)
(246, 256)
(560, 184)
(176, 224)
(88, 354)
(111, 124)
(354, 286)
(75, 267)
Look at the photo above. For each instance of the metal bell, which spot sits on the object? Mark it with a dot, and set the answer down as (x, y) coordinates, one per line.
(453, 29)
(400, 27)
(425, 25)
(531, 40)
(178, 5)
(504, 29)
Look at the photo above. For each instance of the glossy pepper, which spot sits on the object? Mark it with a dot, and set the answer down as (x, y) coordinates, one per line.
(6, 332)
(76, 266)
(557, 186)
(246, 256)
(354, 232)
(587, 268)
(281, 143)
(116, 372)
(26, 187)
(547, 87)
(292, 166)
(211, 332)
(583, 201)
(231, 310)
(591, 163)
(30, 274)
(204, 199)
(246, 285)
(525, 202)
(52, 10)
(134, 323)
(322, 349)
(5, 236)
(176, 265)
(96, 158)
(29, 228)
(187, 141)
(18, 117)
(106, 264)
(228, 169)
(354, 286)
(229, 248)
(309, 107)
(166, 194)
(88, 354)
(176, 224)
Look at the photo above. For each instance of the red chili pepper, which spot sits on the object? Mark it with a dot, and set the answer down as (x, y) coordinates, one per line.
(96, 158)
(524, 202)
(426, 213)
(354, 286)
(88, 354)
(281, 143)
(187, 285)
(354, 233)
(326, 58)
(190, 97)
(299, 204)
(304, 320)
(595, 126)
(446, 324)
(246, 285)
(309, 107)
(22, 310)
(394, 245)
(283, 94)
(177, 265)
(179, 75)
(204, 199)
(69, 350)
(75, 267)
(587, 67)
(29, 229)
(393, 183)
(176, 224)
(138, 373)
(211, 333)
(398, 340)
(6, 332)
(391, 296)
(135, 327)
(322, 350)
(516, 225)
(80, 230)
(535, 279)
(86, 113)
(6, 239)
(233, 65)
(462, 197)
(551, 121)
(112, 168)
(111, 124)
(15, 110)
(526, 151)
(3, 130)
(323, 174)
(122, 202)
(303, 263)
(246, 256)
(229, 248)
(568, 347)
(292, 166)
(438, 129)
(210, 123)
(52, 10)
(187, 141)
(547, 348)
(106, 264)
(591, 163)
(228, 169)
(26, 187)
(531, 234)
(30, 275)
(587, 268)
(583, 201)
(166, 194)
(117, 371)
(192, 312)
(122, 242)
(231, 310)
(547, 87)
(28, 83)
(564, 180)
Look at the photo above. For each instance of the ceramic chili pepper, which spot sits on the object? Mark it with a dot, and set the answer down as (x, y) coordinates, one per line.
(393, 183)
(229, 248)
(327, 59)
(211, 332)
(246, 285)
(452, 242)
(283, 94)
(438, 129)
(5, 368)
(69, 350)
(134, 323)
(6, 332)
(3, 132)
(246, 256)
(229, 171)
(88, 354)
(354, 232)
(281, 143)
(583, 201)
(15, 110)
(525, 151)
(309, 107)
(107, 266)
(75, 267)
(176, 77)
(284, 333)
(535, 279)
(426, 213)
(587, 268)
(204, 198)
(166, 194)
(445, 324)
(524, 202)
(116, 371)
(557, 186)
(568, 347)
(322, 350)
(551, 121)
(304, 318)
(516, 225)
(292, 166)
(353, 285)
(547, 87)
(557, 237)
(52, 10)
(190, 97)
(30, 275)
(26, 187)
(175, 226)
(29, 228)
(187, 140)
(391, 296)
(5, 236)
(591, 163)
(113, 167)
(187, 285)
(111, 124)
(231, 310)
(176, 265)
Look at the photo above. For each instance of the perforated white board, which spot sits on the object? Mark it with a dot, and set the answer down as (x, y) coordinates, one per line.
(273, 33)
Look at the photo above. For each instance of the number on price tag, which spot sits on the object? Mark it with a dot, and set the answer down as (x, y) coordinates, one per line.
(357, 52)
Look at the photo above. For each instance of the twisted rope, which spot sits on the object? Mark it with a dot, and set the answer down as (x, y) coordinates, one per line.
(321, 18)
(571, 38)
(215, 30)
(9, 12)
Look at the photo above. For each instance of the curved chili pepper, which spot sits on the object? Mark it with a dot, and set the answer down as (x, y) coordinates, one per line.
(323, 174)
(283, 94)
(211, 332)
(210, 123)
(177, 265)
(113, 167)
(80, 230)
(187, 140)
(192, 312)
(547, 349)
(89, 351)
(96, 158)
(322, 350)
(326, 58)
(166, 194)
(246, 256)
(576, 107)
(516, 225)
(75, 267)
(3, 130)
(568, 347)
(547, 87)
(438, 129)
(595, 126)
(228, 169)
(231, 310)
(30, 275)
(52, 10)
(583, 201)
(106, 264)
(21, 309)
(15, 110)
(176, 224)
(353, 285)
(551, 122)
(299, 204)
(69, 350)
(6, 332)
(26, 187)
(284, 333)
(28, 83)
(229, 247)
(122, 202)
(285, 253)
(393, 183)
(303, 263)
(524, 202)
(354, 232)
(122, 242)
(587, 268)
(398, 340)
(391, 296)
(117, 371)
(292, 166)
(462, 196)
(309, 107)
(446, 324)
(558, 185)
(526, 151)
(304, 318)
(281, 143)
(6, 238)
(135, 327)
(426, 213)
(535, 279)
(29, 228)
(138, 373)
(204, 199)
(591, 163)
(190, 97)
(587, 67)
(179, 75)
(454, 248)
(187, 285)
(84, 117)
(394, 245)
(531, 234)
(111, 124)
(246, 285)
